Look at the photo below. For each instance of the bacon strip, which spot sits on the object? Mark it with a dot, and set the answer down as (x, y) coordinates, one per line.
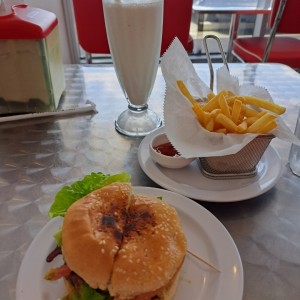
(53, 254)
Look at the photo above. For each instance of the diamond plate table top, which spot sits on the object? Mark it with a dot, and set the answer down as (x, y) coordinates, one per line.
(39, 156)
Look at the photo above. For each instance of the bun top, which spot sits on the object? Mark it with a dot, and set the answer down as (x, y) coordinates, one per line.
(92, 233)
(132, 245)
(152, 250)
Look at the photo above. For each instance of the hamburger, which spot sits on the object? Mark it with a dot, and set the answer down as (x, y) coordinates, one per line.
(120, 245)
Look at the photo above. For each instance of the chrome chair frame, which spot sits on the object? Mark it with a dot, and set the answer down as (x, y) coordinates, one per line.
(278, 17)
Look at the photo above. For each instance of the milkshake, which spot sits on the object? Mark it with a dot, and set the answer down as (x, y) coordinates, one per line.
(134, 30)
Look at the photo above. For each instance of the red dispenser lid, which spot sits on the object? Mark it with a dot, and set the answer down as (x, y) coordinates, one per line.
(25, 22)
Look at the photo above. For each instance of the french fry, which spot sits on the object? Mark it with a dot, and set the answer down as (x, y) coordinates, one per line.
(210, 95)
(261, 113)
(210, 124)
(229, 113)
(226, 122)
(275, 108)
(215, 112)
(249, 112)
(269, 127)
(224, 106)
(186, 92)
(236, 110)
(242, 127)
(202, 116)
(213, 103)
(222, 130)
(260, 123)
(251, 120)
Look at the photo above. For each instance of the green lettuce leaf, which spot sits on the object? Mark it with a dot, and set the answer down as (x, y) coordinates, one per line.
(87, 293)
(57, 237)
(69, 194)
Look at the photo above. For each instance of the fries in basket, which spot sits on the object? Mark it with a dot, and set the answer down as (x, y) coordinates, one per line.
(230, 113)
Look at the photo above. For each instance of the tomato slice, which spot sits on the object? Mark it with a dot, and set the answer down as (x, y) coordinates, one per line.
(57, 273)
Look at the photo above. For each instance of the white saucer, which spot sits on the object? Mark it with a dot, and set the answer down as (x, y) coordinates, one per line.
(190, 182)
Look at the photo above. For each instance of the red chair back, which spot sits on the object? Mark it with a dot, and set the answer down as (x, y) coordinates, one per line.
(290, 20)
(177, 21)
(91, 30)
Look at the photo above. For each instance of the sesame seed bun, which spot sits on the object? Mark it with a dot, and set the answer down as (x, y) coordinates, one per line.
(92, 233)
(131, 245)
(152, 250)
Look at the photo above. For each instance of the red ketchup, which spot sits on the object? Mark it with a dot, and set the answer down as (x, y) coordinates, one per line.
(167, 149)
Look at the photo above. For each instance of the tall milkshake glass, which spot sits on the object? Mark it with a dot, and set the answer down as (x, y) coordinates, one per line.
(134, 31)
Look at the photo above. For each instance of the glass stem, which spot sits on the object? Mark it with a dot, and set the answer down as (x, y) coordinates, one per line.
(138, 108)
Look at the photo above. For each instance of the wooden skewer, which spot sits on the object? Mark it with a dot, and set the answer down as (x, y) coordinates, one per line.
(204, 261)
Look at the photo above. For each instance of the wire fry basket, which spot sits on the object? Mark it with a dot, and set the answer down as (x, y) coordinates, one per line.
(239, 165)
(242, 164)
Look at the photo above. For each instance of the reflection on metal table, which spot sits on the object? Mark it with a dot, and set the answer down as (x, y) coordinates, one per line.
(39, 156)
(236, 8)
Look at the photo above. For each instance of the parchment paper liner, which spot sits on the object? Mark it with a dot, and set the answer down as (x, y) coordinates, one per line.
(181, 125)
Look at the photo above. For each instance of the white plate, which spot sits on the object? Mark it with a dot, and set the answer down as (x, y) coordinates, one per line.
(190, 182)
(206, 237)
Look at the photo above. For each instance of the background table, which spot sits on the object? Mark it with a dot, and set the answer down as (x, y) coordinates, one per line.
(38, 157)
(235, 8)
